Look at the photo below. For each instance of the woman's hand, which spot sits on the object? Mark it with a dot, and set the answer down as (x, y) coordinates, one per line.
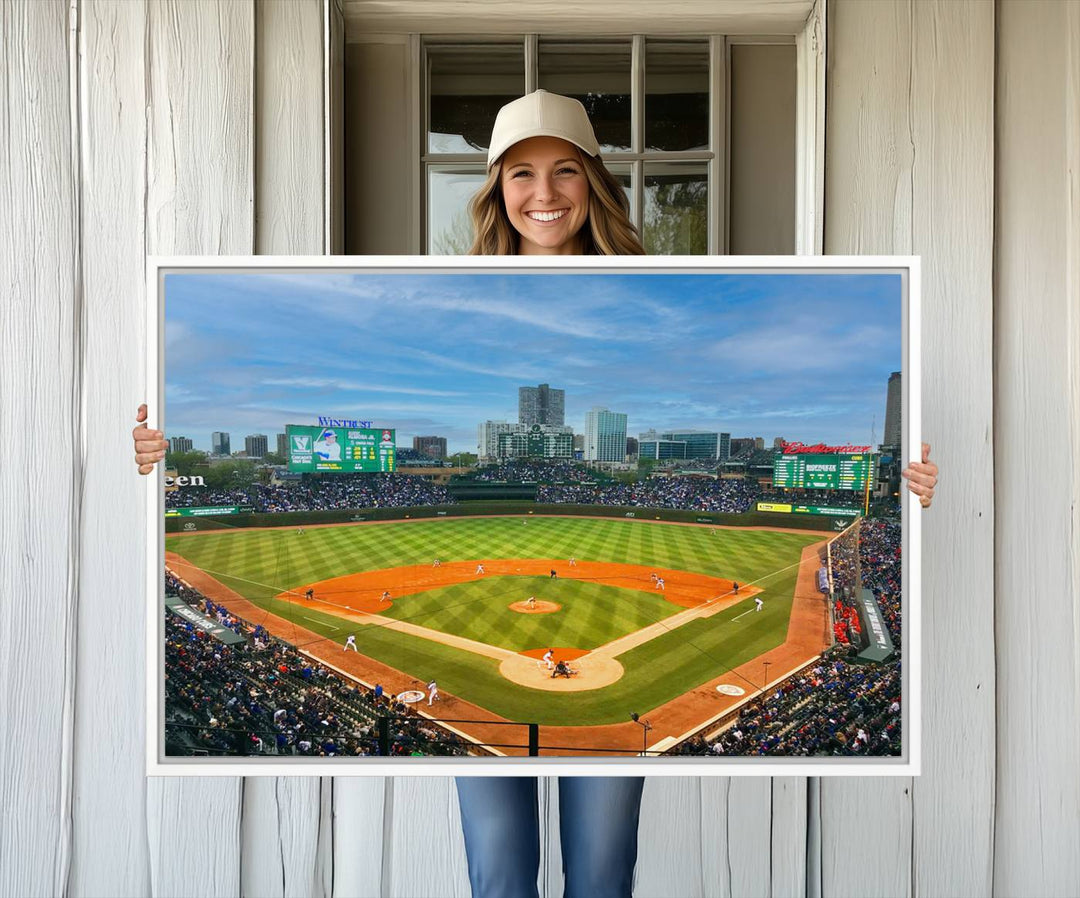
(150, 445)
(922, 477)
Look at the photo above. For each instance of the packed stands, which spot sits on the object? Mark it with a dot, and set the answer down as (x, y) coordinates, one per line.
(321, 494)
(264, 697)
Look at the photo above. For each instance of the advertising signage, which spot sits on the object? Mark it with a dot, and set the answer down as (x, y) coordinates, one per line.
(207, 511)
(784, 508)
(829, 472)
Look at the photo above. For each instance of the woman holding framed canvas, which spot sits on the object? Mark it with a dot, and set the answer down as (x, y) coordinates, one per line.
(547, 193)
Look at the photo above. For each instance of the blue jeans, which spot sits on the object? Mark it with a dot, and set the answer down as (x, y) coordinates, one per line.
(598, 821)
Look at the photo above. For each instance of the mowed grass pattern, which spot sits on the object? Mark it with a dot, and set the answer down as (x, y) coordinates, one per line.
(592, 614)
(260, 563)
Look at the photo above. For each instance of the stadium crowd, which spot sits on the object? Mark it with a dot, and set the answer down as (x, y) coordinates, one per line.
(263, 697)
(535, 471)
(321, 494)
(690, 493)
(879, 555)
(836, 708)
(559, 483)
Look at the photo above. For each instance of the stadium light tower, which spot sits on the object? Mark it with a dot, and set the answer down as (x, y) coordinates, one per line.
(645, 727)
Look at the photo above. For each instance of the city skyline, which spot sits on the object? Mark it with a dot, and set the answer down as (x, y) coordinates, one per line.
(804, 356)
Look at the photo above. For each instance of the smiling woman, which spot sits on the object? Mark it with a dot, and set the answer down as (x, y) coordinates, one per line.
(547, 190)
(546, 195)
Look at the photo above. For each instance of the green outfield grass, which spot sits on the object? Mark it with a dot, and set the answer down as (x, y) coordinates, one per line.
(261, 563)
(591, 615)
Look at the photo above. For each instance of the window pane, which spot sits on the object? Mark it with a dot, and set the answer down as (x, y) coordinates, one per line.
(597, 74)
(624, 175)
(676, 95)
(676, 209)
(449, 191)
(466, 87)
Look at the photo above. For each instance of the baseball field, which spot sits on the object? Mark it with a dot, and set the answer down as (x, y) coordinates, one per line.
(646, 613)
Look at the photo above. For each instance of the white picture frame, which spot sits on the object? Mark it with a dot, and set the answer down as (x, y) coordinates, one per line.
(907, 764)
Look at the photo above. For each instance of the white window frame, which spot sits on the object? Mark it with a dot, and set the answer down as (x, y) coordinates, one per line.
(809, 40)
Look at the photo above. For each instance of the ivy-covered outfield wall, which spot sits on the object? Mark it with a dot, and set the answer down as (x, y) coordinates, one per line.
(465, 509)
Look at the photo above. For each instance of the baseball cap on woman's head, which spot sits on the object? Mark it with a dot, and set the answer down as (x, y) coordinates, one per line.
(541, 114)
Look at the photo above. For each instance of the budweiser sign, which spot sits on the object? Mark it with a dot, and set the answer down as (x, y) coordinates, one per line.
(822, 449)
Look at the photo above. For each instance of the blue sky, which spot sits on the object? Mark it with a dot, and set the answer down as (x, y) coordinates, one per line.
(803, 356)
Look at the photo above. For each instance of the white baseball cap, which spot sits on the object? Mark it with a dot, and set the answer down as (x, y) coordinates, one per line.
(541, 114)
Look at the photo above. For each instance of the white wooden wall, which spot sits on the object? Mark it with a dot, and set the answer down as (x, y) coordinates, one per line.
(953, 132)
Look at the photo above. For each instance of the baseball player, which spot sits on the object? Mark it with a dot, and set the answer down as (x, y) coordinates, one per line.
(532, 602)
(548, 658)
(299, 531)
(436, 563)
(309, 595)
(327, 447)
(735, 583)
(660, 583)
(758, 603)
(479, 569)
(350, 643)
(432, 692)
(386, 595)
(572, 561)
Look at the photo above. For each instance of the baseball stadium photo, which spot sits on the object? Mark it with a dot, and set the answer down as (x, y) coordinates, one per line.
(488, 514)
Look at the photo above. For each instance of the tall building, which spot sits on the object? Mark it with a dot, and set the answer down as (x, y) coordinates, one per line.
(541, 405)
(283, 445)
(255, 445)
(893, 405)
(432, 447)
(180, 444)
(605, 435)
(631, 447)
(219, 443)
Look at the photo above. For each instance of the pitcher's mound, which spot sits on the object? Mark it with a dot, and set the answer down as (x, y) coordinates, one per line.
(540, 607)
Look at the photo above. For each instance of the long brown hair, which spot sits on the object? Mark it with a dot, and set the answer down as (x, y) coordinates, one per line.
(608, 230)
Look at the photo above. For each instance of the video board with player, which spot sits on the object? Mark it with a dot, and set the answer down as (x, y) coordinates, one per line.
(340, 449)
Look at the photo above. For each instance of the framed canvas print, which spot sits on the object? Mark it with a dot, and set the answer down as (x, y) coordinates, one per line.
(507, 516)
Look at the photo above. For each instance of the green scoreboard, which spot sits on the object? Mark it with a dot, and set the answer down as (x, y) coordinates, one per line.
(341, 449)
(827, 472)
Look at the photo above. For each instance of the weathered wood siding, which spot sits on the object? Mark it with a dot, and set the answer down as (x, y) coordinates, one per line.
(953, 132)
(1037, 450)
(909, 153)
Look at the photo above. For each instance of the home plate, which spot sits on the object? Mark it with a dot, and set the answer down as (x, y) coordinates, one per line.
(727, 689)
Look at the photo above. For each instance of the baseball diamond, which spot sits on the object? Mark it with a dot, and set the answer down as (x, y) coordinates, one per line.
(647, 617)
